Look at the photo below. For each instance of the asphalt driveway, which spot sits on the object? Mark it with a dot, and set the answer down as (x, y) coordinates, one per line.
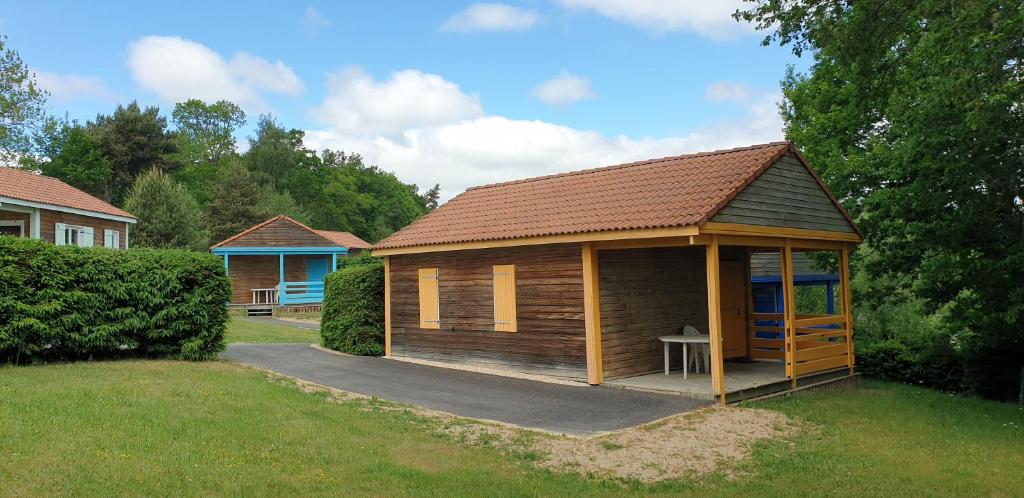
(541, 405)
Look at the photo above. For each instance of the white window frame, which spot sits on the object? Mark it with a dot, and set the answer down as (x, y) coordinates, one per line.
(111, 238)
(14, 223)
(79, 232)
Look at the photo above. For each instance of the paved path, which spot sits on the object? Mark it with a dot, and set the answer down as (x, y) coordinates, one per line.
(286, 323)
(552, 407)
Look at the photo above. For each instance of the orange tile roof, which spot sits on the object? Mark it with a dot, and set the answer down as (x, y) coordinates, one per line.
(345, 239)
(659, 193)
(28, 186)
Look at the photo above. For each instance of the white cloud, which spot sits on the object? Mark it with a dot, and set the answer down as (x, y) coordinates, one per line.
(313, 22)
(712, 19)
(264, 75)
(564, 89)
(490, 17)
(470, 148)
(358, 104)
(177, 69)
(68, 87)
(727, 91)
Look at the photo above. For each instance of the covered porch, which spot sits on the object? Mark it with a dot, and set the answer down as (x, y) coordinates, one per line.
(20, 221)
(639, 291)
(279, 276)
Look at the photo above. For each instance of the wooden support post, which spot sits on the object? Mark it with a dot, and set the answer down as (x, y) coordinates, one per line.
(227, 269)
(592, 314)
(715, 319)
(844, 295)
(749, 311)
(789, 311)
(387, 305)
(334, 262)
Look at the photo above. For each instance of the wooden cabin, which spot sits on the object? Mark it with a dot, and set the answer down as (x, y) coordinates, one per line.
(45, 208)
(579, 275)
(283, 263)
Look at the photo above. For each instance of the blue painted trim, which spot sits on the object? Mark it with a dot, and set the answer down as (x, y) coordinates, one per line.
(227, 268)
(302, 292)
(254, 251)
(282, 297)
(334, 262)
(799, 279)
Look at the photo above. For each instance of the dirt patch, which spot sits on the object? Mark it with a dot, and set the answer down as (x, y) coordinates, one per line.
(685, 445)
(695, 443)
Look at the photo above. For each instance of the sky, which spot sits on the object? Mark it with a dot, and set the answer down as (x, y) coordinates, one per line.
(458, 93)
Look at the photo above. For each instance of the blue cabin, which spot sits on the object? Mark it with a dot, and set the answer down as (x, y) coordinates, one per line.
(282, 262)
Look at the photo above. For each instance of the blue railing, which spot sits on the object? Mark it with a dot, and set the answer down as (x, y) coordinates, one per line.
(301, 293)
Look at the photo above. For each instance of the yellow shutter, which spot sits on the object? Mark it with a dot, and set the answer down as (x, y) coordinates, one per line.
(430, 313)
(505, 298)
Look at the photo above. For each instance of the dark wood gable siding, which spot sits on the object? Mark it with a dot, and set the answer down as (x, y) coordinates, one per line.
(280, 233)
(785, 195)
(549, 307)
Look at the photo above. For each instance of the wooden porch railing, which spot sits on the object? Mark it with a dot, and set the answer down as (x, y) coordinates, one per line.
(820, 342)
(301, 293)
(264, 296)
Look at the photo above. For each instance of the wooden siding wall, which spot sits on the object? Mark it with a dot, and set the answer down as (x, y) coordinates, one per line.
(549, 306)
(262, 272)
(281, 233)
(48, 220)
(26, 225)
(785, 195)
(646, 293)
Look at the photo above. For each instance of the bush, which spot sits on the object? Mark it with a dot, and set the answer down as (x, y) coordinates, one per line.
(353, 318)
(899, 341)
(70, 303)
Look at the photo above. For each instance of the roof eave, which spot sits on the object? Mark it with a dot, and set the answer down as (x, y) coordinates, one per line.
(66, 209)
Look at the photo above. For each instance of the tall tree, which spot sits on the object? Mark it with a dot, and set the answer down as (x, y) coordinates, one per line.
(273, 203)
(364, 199)
(235, 204)
(168, 215)
(206, 142)
(276, 155)
(206, 131)
(914, 113)
(22, 105)
(78, 161)
(432, 197)
(133, 140)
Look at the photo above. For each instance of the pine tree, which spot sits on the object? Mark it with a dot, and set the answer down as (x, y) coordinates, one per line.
(168, 215)
(236, 203)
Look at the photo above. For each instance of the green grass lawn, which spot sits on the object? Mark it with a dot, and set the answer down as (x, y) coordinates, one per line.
(161, 427)
(241, 329)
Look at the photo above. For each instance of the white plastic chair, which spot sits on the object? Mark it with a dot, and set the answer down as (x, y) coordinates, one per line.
(698, 354)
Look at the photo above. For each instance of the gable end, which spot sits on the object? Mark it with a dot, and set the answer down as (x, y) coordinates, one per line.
(785, 195)
(280, 233)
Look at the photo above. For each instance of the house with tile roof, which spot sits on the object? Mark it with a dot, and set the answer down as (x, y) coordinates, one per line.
(636, 275)
(282, 263)
(41, 207)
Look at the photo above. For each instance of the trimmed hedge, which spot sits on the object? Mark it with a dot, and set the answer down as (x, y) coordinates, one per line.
(70, 303)
(353, 316)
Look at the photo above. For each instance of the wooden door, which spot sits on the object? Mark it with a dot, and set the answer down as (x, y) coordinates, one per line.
(733, 301)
